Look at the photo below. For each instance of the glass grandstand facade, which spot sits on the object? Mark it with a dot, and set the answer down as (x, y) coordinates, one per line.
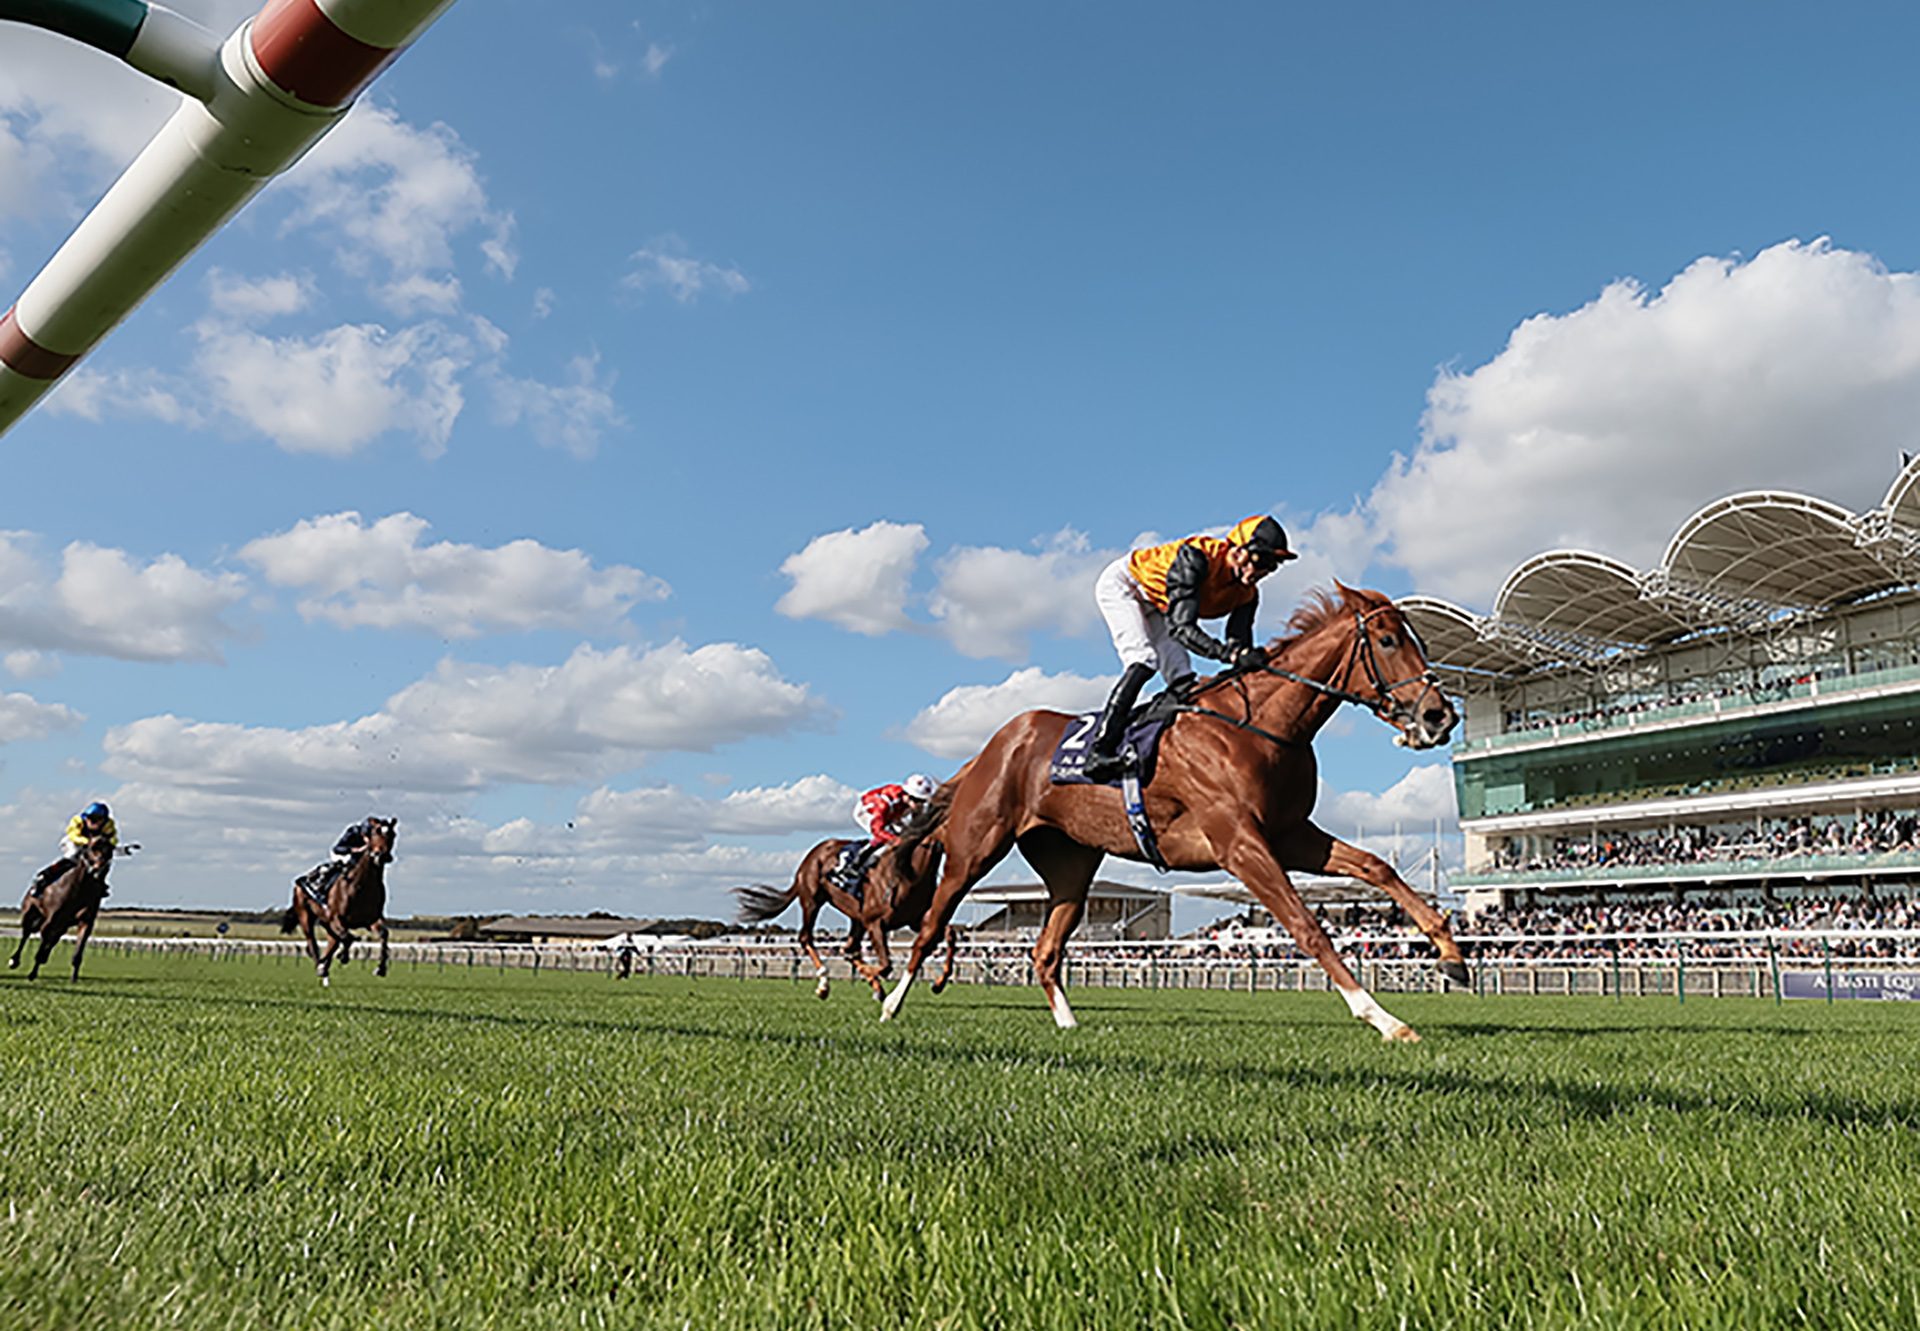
(1742, 719)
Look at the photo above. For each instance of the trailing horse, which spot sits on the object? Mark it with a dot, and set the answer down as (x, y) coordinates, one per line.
(356, 899)
(1233, 790)
(71, 900)
(892, 899)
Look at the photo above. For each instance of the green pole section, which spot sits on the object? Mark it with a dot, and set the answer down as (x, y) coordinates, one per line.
(1615, 946)
(1773, 965)
(1680, 969)
(1826, 950)
(110, 25)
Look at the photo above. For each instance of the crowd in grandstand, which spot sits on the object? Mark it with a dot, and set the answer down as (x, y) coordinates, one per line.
(1625, 711)
(1632, 930)
(1882, 832)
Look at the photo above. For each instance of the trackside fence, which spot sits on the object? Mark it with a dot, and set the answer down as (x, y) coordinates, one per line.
(1717, 964)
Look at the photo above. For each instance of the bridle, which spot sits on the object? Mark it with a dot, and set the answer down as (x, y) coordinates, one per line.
(1381, 702)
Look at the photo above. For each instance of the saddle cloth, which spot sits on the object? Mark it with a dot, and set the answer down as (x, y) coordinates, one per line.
(1144, 729)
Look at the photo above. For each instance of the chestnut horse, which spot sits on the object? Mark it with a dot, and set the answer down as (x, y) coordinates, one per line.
(356, 899)
(70, 901)
(886, 903)
(1232, 790)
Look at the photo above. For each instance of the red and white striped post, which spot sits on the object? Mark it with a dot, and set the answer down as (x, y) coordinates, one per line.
(257, 102)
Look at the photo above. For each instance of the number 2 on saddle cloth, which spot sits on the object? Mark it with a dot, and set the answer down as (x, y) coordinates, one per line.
(1139, 747)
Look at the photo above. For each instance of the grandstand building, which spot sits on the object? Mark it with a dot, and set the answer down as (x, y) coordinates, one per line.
(1740, 722)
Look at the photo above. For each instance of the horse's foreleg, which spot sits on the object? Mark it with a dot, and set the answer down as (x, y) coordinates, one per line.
(882, 959)
(956, 880)
(380, 927)
(49, 937)
(946, 969)
(28, 919)
(1245, 855)
(323, 965)
(1319, 852)
(80, 936)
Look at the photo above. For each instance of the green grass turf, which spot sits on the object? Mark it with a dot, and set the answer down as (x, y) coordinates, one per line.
(223, 1144)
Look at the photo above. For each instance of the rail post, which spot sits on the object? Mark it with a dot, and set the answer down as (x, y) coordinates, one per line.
(1826, 953)
(1613, 946)
(1680, 968)
(1773, 966)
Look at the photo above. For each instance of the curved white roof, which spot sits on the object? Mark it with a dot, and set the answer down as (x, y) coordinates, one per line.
(1587, 597)
(1461, 642)
(1902, 503)
(1775, 548)
(1744, 563)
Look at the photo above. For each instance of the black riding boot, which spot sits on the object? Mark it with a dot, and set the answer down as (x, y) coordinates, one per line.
(854, 877)
(1103, 753)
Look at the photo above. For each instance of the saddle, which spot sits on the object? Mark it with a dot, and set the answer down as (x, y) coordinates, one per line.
(1139, 748)
(849, 872)
(1139, 745)
(318, 881)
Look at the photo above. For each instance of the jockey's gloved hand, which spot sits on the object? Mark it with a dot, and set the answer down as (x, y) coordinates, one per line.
(1249, 658)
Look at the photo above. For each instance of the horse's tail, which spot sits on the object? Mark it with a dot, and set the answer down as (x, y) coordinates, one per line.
(290, 918)
(760, 902)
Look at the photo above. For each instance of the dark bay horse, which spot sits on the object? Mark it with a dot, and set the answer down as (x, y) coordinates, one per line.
(895, 897)
(70, 901)
(1233, 790)
(356, 899)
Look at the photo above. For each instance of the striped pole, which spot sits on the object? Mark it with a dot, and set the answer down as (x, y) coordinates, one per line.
(256, 103)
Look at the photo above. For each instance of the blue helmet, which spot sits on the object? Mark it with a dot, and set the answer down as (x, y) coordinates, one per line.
(95, 812)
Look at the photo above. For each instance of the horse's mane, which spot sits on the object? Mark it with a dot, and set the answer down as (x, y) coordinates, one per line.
(1320, 607)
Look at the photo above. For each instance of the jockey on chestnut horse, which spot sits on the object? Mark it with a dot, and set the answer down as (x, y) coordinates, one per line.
(1235, 780)
(894, 896)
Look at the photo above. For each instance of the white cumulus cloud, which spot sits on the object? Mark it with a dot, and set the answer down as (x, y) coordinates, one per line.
(573, 416)
(26, 717)
(857, 580)
(991, 601)
(336, 391)
(384, 574)
(380, 188)
(465, 727)
(1607, 427)
(964, 718)
(1413, 802)
(102, 602)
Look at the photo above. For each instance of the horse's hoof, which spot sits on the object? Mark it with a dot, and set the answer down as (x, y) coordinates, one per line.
(1402, 1035)
(1456, 973)
(938, 985)
(879, 995)
(13, 963)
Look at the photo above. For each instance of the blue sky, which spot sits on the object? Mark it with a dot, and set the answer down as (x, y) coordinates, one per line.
(626, 438)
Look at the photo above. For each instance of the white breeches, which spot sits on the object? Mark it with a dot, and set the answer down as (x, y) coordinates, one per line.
(1139, 629)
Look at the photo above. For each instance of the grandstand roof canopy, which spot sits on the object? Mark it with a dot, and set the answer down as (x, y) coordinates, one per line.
(1745, 562)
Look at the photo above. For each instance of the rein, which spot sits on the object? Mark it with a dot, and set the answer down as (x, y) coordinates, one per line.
(1382, 704)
